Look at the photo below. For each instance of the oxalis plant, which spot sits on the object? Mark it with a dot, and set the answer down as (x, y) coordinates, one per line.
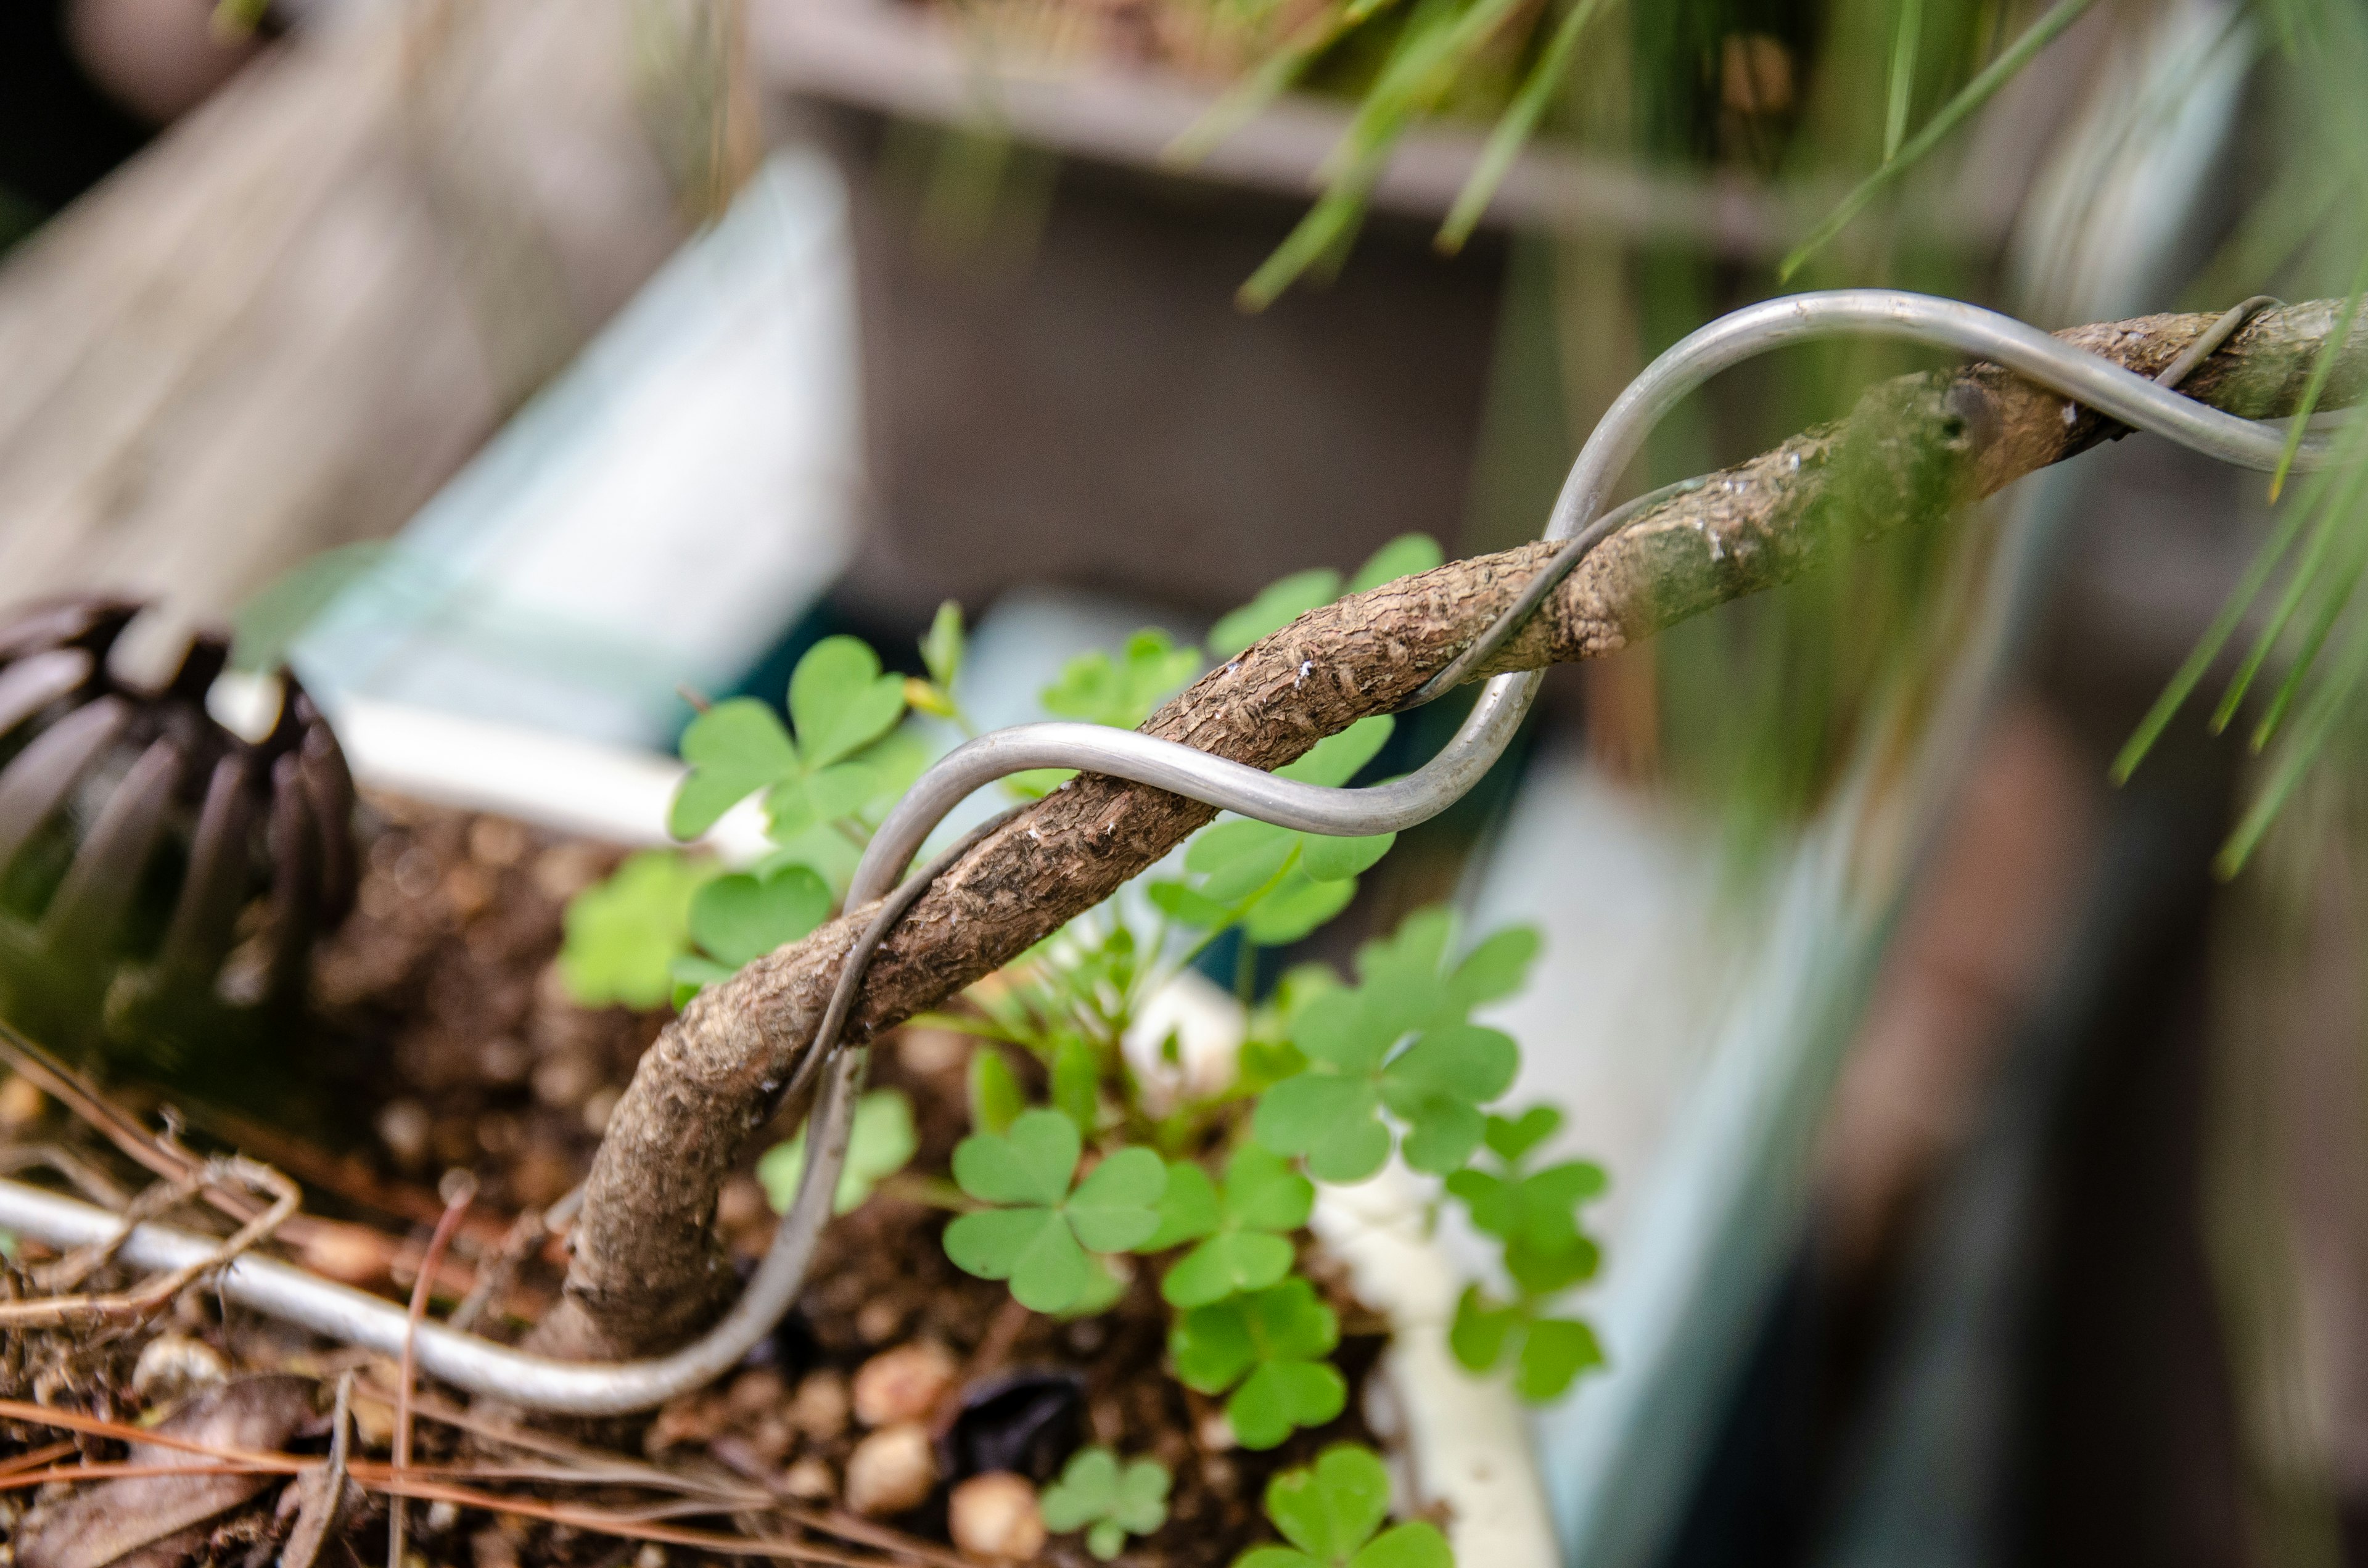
(1127, 1150)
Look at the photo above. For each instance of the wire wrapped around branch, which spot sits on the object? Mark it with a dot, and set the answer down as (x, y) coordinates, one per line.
(644, 1273)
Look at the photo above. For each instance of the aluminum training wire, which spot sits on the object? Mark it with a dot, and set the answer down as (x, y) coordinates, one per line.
(499, 1372)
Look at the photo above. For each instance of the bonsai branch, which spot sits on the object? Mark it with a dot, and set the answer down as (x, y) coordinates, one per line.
(645, 1275)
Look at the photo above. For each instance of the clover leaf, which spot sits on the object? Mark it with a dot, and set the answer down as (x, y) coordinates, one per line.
(745, 917)
(1122, 692)
(1329, 1513)
(1286, 599)
(1038, 1234)
(1095, 1491)
(1278, 882)
(734, 749)
(881, 1141)
(1243, 1232)
(1549, 1353)
(737, 918)
(1399, 1041)
(840, 703)
(1271, 1343)
(624, 934)
(1535, 1214)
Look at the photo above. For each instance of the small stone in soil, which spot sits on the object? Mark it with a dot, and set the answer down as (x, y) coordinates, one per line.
(903, 1384)
(892, 1470)
(172, 1365)
(22, 1104)
(753, 1393)
(810, 1481)
(880, 1320)
(996, 1515)
(820, 1406)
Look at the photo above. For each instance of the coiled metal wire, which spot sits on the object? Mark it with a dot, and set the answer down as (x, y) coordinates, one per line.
(539, 1383)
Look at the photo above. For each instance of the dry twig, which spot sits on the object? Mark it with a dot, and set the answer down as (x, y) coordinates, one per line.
(152, 1295)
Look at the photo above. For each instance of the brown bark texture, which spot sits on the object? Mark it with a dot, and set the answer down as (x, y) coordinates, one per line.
(644, 1273)
(284, 325)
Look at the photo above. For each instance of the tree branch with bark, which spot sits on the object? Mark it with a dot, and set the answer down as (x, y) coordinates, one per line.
(645, 1273)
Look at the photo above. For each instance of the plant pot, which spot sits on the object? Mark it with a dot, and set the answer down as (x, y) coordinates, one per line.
(1454, 1440)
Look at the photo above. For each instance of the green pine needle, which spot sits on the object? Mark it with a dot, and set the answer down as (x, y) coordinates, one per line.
(1903, 75)
(2207, 648)
(2328, 353)
(1515, 127)
(1952, 114)
(2306, 573)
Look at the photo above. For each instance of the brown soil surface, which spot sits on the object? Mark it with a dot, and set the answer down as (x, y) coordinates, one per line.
(446, 1043)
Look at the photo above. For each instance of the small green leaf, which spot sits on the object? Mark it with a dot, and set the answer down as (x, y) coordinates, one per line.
(1327, 859)
(1086, 1490)
(841, 790)
(1461, 1061)
(1281, 1396)
(1441, 1132)
(1481, 1330)
(741, 917)
(1402, 557)
(734, 749)
(1094, 1491)
(943, 647)
(1225, 1265)
(1184, 903)
(1332, 1508)
(1433, 1084)
(1497, 968)
(1141, 1497)
(624, 934)
(1116, 1206)
(1556, 1351)
(1542, 1272)
(841, 701)
(1032, 1248)
(881, 1141)
(1212, 1347)
(1189, 1209)
(1262, 1192)
(1238, 856)
(1122, 692)
(1217, 1345)
(1416, 1544)
(1513, 1138)
(1336, 759)
(1276, 605)
(1276, 1557)
(1298, 905)
(1345, 1030)
(994, 1097)
(1030, 1163)
(1329, 1119)
(1104, 1286)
